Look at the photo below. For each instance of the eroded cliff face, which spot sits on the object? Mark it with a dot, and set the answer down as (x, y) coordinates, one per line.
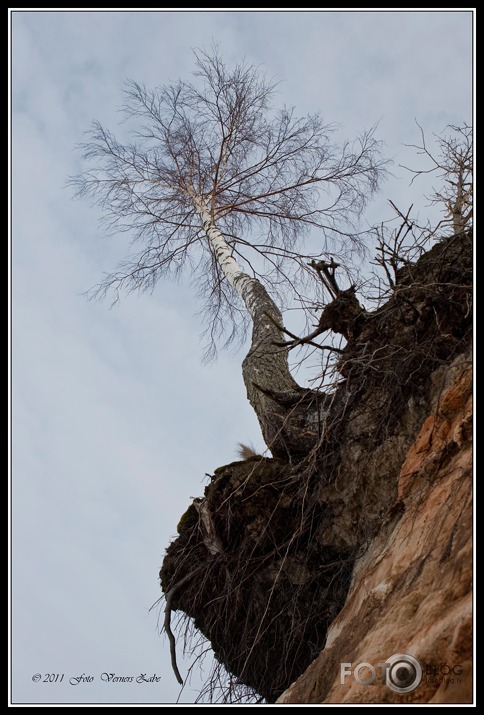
(411, 592)
(360, 548)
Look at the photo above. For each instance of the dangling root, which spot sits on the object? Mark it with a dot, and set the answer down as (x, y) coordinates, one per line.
(167, 624)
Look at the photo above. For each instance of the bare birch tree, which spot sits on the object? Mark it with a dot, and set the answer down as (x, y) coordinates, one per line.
(219, 183)
(451, 161)
(453, 165)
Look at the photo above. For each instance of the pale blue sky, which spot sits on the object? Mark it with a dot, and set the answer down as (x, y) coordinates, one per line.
(115, 419)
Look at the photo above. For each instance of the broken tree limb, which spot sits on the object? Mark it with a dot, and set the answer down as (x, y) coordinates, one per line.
(307, 340)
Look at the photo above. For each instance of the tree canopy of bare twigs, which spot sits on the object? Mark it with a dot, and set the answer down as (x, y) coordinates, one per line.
(216, 147)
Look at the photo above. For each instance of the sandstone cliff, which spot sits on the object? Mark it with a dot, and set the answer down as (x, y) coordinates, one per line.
(411, 592)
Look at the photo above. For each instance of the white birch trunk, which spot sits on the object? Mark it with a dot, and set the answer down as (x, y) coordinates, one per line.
(265, 369)
(234, 273)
